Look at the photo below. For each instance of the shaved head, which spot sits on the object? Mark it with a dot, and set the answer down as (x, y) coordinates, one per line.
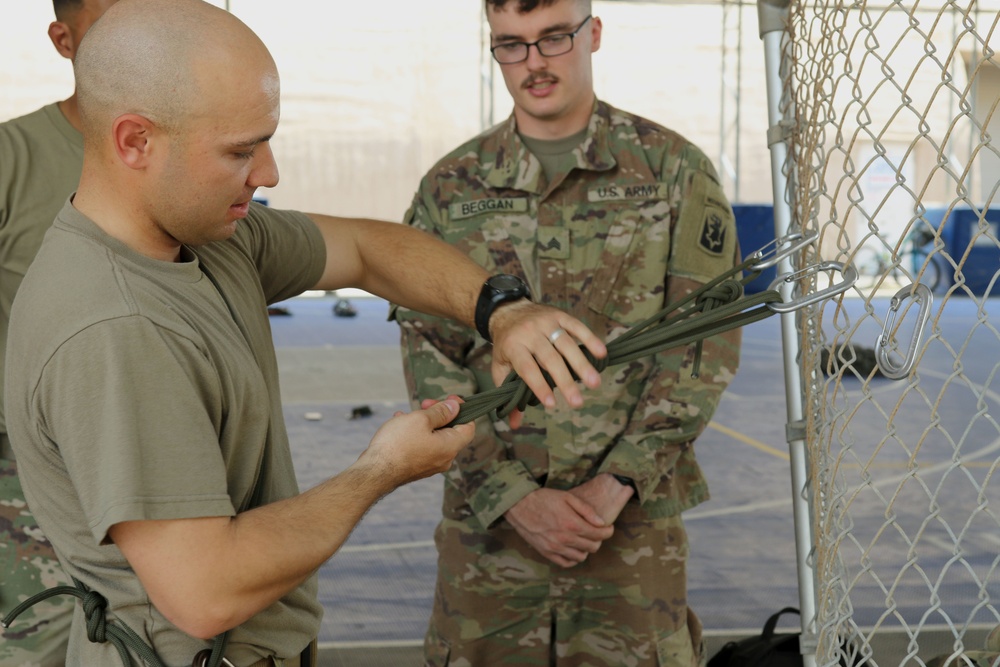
(178, 101)
(167, 61)
(63, 8)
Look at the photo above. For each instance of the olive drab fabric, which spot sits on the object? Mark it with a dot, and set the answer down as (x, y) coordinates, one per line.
(181, 417)
(41, 155)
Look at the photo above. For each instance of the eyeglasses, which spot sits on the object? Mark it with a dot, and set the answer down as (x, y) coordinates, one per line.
(548, 46)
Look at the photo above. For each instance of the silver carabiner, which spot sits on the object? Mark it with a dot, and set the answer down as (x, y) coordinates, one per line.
(201, 659)
(798, 241)
(923, 296)
(848, 271)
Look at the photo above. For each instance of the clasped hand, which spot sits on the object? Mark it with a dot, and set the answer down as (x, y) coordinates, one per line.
(567, 526)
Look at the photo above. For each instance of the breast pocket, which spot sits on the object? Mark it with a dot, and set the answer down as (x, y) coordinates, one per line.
(492, 242)
(628, 285)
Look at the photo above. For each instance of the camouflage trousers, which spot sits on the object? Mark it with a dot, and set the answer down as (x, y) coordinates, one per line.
(989, 657)
(967, 659)
(28, 565)
(497, 602)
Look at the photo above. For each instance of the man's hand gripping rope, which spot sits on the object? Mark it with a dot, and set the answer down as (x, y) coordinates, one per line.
(718, 306)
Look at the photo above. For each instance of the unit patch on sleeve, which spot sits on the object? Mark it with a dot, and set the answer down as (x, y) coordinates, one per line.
(713, 232)
(705, 241)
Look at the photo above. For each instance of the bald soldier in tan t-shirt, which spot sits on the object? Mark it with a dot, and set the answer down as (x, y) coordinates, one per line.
(143, 401)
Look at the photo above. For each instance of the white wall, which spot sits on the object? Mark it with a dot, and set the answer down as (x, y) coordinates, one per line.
(370, 102)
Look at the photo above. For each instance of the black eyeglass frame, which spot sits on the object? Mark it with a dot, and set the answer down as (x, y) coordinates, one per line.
(538, 45)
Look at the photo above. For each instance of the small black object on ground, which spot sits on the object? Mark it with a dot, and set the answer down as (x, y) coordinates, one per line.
(361, 412)
(861, 359)
(343, 308)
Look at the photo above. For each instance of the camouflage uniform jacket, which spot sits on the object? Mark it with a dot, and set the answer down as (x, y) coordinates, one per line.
(634, 220)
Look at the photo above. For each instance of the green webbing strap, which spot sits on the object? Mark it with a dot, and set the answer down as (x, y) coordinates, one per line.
(99, 630)
(716, 307)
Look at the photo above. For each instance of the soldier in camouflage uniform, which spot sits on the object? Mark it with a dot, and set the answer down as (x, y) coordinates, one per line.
(41, 155)
(610, 217)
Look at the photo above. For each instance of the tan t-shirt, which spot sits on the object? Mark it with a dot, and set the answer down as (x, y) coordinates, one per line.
(41, 155)
(143, 389)
(551, 153)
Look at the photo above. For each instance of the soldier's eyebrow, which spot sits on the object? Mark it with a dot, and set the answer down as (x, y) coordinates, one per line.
(563, 27)
(250, 143)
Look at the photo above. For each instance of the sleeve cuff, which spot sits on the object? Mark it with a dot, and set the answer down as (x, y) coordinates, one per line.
(503, 489)
(642, 460)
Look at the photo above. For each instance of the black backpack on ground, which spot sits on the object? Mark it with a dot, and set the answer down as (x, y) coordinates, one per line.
(768, 649)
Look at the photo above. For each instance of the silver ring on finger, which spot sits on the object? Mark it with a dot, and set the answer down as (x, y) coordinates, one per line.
(554, 336)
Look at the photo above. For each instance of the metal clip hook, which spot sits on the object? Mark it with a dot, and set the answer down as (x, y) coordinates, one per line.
(923, 296)
(203, 657)
(848, 271)
(798, 241)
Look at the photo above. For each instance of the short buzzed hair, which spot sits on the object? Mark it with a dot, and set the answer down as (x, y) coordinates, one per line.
(64, 7)
(523, 6)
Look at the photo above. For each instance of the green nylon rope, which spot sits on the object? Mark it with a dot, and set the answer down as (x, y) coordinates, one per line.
(716, 307)
(100, 630)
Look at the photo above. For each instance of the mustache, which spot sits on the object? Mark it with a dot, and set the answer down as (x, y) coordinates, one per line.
(533, 78)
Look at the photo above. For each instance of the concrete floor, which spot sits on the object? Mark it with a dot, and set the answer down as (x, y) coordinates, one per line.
(377, 590)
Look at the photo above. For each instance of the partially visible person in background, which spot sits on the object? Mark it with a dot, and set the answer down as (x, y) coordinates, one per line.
(41, 155)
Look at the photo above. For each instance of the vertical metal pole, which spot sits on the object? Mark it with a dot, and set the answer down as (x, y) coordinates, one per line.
(731, 77)
(485, 76)
(739, 92)
(773, 16)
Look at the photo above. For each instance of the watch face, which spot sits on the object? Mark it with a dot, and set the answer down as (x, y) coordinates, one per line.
(504, 282)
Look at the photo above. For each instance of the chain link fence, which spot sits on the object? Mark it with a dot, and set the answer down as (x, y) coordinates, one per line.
(894, 162)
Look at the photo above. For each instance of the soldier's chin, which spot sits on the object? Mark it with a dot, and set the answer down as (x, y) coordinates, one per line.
(213, 235)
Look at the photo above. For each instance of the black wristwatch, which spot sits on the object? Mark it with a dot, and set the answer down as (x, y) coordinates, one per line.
(500, 288)
(626, 481)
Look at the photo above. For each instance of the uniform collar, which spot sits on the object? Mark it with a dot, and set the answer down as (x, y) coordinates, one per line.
(516, 168)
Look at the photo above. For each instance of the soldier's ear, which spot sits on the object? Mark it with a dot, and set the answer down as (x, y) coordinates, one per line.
(134, 139)
(62, 38)
(595, 33)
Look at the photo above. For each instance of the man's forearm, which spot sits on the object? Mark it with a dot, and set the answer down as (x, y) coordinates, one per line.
(209, 575)
(404, 265)
(297, 535)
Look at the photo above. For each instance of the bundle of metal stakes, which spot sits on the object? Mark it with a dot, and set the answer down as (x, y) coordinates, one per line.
(716, 307)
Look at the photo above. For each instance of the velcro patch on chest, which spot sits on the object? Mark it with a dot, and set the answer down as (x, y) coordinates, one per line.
(553, 242)
(627, 192)
(467, 209)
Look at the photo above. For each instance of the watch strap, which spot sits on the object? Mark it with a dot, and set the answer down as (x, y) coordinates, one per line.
(491, 296)
(625, 481)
